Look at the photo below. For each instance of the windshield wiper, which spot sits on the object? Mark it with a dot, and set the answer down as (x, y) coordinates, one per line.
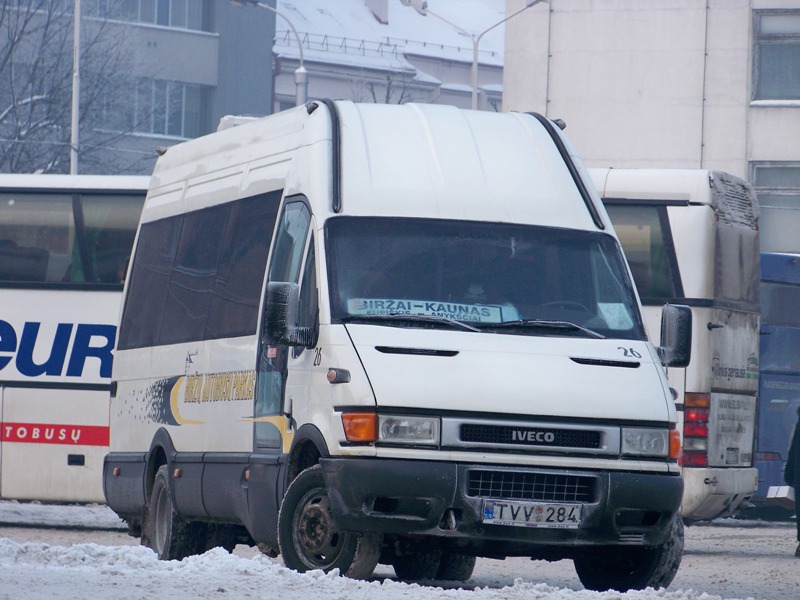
(412, 319)
(543, 324)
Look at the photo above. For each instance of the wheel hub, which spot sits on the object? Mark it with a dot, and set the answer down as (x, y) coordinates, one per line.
(317, 531)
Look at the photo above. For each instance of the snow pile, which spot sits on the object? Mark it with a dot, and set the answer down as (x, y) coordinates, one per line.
(119, 572)
(65, 570)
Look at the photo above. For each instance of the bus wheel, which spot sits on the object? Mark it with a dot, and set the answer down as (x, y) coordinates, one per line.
(633, 568)
(310, 538)
(455, 567)
(171, 537)
(419, 564)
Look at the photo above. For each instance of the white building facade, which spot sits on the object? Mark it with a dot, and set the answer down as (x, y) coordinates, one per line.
(709, 84)
(382, 51)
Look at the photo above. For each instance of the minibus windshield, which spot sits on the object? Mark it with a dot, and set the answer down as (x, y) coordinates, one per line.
(504, 278)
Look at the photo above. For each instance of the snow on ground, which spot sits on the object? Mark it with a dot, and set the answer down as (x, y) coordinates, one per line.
(34, 569)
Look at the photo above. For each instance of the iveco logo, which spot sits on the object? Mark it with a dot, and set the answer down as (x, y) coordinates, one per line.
(522, 435)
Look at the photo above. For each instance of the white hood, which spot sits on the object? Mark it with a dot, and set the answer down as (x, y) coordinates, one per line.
(512, 374)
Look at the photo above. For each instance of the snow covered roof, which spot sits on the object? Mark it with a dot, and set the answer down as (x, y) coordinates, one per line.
(347, 32)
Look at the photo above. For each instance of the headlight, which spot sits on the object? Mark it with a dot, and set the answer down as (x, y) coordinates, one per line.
(408, 430)
(645, 442)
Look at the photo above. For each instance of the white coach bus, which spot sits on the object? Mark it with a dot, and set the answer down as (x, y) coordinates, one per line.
(691, 236)
(64, 246)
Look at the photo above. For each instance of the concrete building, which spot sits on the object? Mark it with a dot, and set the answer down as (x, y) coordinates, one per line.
(671, 83)
(193, 62)
(186, 63)
(152, 73)
(183, 64)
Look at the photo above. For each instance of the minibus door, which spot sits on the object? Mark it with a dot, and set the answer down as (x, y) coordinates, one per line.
(286, 265)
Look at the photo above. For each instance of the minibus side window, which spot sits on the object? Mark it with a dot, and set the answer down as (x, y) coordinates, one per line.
(150, 277)
(307, 311)
(240, 273)
(198, 276)
(290, 243)
(193, 275)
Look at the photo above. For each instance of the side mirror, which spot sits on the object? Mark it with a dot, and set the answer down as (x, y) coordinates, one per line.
(676, 335)
(280, 316)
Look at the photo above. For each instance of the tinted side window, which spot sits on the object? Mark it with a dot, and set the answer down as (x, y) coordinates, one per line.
(237, 288)
(150, 276)
(199, 276)
(193, 275)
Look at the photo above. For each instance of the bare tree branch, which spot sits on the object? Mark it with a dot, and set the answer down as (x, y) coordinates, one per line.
(36, 39)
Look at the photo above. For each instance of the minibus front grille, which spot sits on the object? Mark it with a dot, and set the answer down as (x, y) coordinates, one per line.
(542, 487)
(531, 436)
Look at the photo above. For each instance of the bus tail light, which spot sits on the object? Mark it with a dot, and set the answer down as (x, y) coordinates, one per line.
(696, 409)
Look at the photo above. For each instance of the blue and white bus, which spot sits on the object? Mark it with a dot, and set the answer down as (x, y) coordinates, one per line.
(779, 383)
(64, 245)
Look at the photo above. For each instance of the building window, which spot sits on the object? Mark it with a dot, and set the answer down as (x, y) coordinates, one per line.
(157, 107)
(777, 185)
(777, 55)
(184, 14)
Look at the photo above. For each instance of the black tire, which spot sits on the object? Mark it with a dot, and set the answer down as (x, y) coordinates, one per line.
(169, 536)
(422, 563)
(633, 568)
(219, 536)
(310, 538)
(455, 567)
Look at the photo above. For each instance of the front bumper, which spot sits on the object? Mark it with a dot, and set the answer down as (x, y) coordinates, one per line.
(446, 500)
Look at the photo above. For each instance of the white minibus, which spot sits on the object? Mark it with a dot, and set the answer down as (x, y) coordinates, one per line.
(406, 334)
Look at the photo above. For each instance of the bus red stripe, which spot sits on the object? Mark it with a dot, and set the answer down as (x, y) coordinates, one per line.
(50, 433)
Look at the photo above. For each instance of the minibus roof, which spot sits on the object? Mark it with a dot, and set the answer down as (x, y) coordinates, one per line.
(412, 160)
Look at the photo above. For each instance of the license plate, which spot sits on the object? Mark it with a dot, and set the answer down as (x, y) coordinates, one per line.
(532, 514)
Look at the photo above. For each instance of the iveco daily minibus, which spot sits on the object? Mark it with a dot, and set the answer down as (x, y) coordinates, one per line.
(356, 334)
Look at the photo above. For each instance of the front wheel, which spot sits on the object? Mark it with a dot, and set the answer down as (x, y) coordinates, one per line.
(310, 538)
(633, 568)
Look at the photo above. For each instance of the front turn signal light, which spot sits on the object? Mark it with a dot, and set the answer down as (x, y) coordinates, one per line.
(674, 444)
(360, 427)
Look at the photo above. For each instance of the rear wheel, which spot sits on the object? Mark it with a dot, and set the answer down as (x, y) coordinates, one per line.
(170, 536)
(455, 567)
(421, 563)
(310, 538)
(633, 568)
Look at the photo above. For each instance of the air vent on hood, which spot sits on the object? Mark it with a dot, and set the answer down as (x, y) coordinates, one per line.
(599, 362)
(415, 351)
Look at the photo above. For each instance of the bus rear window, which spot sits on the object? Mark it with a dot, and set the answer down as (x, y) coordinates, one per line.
(66, 238)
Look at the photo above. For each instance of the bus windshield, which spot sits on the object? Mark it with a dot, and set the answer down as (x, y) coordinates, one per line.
(66, 238)
(515, 279)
